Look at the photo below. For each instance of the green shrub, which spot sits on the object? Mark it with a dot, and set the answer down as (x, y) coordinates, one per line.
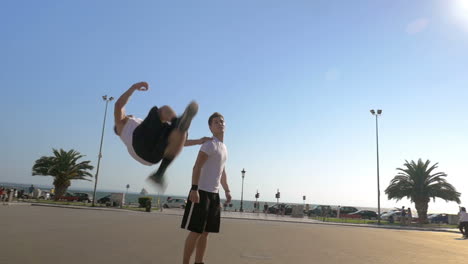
(143, 200)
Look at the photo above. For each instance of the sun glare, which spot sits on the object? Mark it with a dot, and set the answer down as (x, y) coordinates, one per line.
(460, 11)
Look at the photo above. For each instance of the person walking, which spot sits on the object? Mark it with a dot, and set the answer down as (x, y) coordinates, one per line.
(463, 222)
(403, 216)
(410, 216)
(31, 191)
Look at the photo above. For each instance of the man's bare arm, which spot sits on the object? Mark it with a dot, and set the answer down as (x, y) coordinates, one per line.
(224, 182)
(201, 159)
(193, 142)
(225, 185)
(119, 106)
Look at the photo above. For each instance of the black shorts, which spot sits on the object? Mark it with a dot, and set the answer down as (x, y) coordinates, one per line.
(204, 216)
(150, 138)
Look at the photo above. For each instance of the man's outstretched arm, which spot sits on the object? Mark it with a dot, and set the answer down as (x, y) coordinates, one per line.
(119, 106)
(193, 142)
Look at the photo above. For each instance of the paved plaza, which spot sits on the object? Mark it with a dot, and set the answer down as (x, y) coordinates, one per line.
(34, 234)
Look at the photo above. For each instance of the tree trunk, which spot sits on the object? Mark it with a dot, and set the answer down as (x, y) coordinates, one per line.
(421, 207)
(60, 188)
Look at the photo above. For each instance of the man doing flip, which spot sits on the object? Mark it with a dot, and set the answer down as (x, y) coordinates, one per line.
(160, 136)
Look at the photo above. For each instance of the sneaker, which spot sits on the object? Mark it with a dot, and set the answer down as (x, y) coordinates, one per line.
(158, 180)
(183, 122)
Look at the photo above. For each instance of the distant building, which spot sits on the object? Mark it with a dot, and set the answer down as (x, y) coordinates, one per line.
(144, 191)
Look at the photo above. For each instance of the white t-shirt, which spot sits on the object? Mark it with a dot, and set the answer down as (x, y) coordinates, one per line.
(127, 138)
(463, 216)
(212, 170)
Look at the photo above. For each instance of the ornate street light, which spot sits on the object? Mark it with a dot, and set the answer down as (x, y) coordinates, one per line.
(242, 193)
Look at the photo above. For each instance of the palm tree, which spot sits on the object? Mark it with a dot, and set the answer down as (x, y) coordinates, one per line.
(418, 183)
(63, 167)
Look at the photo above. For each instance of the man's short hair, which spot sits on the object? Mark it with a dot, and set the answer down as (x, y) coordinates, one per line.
(213, 116)
(463, 209)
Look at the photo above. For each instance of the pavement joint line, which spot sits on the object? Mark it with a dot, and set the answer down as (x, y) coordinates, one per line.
(251, 219)
(82, 207)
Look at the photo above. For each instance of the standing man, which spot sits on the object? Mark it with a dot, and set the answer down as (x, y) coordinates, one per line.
(203, 211)
(403, 216)
(31, 190)
(159, 137)
(463, 222)
(410, 216)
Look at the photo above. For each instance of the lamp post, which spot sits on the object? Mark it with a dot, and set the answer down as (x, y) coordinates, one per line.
(257, 206)
(107, 100)
(377, 114)
(242, 193)
(277, 196)
(126, 193)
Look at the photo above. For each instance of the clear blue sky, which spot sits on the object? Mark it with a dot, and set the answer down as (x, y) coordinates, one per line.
(294, 79)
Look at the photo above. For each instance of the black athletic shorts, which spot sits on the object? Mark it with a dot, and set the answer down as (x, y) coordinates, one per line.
(204, 216)
(150, 138)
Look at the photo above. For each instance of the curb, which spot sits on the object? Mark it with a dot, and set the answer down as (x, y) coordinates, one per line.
(14, 203)
(351, 225)
(253, 219)
(338, 224)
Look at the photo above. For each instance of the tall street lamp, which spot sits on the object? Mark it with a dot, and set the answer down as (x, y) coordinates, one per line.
(107, 100)
(126, 193)
(377, 114)
(242, 193)
(257, 205)
(277, 196)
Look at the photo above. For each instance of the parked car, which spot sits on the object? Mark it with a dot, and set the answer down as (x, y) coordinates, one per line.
(346, 210)
(320, 210)
(84, 197)
(438, 218)
(275, 208)
(77, 197)
(104, 200)
(45, 196)
(69, 196)
(175, 203)
(365, 214)
(395, 215)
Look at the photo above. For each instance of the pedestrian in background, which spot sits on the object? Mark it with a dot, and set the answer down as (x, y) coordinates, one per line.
(11, 193)
(463, 222)
(410, 216)
(403, 216)
(31, 190)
